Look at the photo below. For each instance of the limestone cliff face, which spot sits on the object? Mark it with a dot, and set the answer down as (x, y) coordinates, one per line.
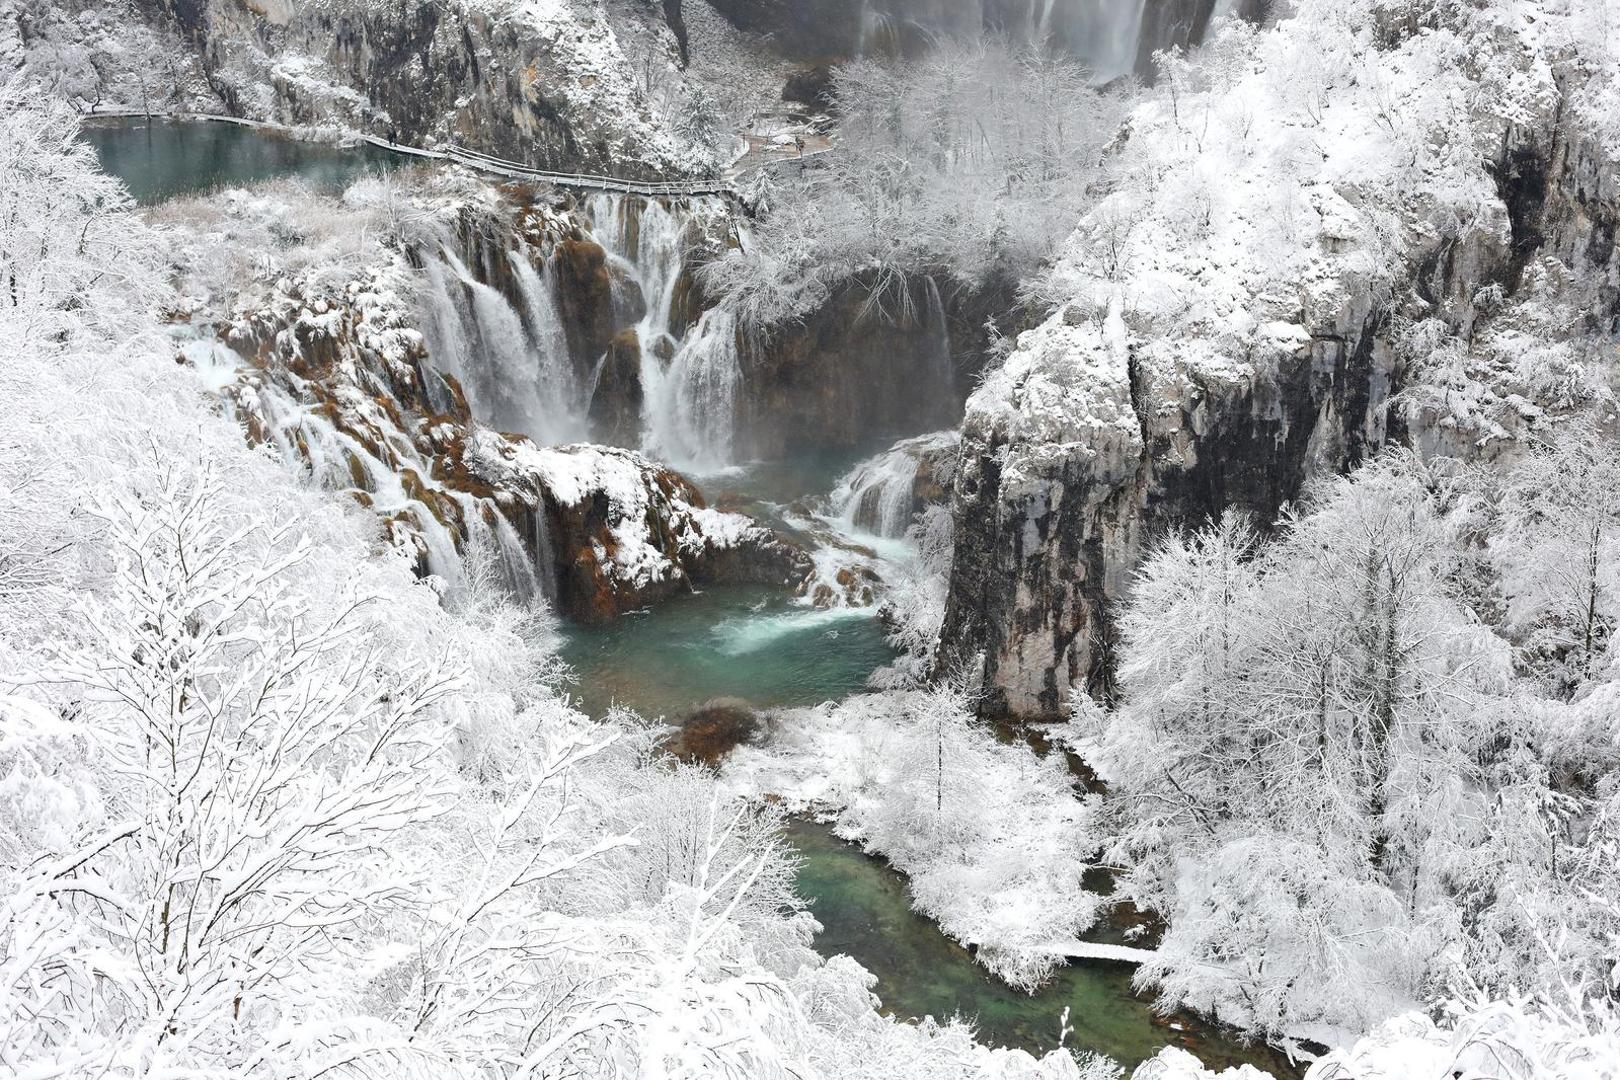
(554, 90)
(848, 377)
(1098, 435)
(1087, 444)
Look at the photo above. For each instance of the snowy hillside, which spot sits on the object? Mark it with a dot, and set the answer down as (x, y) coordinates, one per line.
(1069, 563)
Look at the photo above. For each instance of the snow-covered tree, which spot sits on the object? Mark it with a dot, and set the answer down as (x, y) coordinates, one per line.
(1557, 548)
(1295, 765)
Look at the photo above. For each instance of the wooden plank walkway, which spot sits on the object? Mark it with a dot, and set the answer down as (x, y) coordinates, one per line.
(473, 159)
(1096, 950)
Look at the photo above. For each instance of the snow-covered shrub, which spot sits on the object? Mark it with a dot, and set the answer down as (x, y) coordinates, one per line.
(993, 838)
(971, 162)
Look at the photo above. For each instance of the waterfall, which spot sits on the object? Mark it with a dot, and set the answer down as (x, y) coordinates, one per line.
(512, 361)
(500, 543)
(943, 372)
(1105, 34)
(445, 325)
(879, 496)
(306, 439)
(689, 386)
(691, 408)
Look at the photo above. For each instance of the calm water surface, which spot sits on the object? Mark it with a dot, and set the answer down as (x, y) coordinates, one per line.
(161, 159)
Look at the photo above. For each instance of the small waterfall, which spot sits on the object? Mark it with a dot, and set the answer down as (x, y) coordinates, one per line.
(880, 496)
(691, 405)
(939, 341)
(1105, 34)
(545, 556)
(689, 387)
(336, 461)
(512, 362)
(863, 527)
(1043, 25)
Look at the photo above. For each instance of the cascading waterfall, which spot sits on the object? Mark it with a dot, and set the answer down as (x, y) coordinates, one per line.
(336, 461)
(879, 495)
(512, 362)
(689, 385)
(1105, 33)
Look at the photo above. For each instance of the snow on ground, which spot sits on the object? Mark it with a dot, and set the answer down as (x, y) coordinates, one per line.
(462, 839)
(992, 837)
(1503, 1040)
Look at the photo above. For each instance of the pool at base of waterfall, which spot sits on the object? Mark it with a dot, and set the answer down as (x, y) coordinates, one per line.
(756, 644)
(866, 913)
(160, 159)
(744, 642)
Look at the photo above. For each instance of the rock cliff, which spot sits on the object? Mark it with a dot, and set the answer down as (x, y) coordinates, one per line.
(1229, 342)
(560, 86)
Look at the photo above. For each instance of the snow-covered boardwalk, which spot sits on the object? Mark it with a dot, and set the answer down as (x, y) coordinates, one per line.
(1096, 950)
(714, 185)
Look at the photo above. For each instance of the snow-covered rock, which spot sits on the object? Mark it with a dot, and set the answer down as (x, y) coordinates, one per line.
(1287, 213)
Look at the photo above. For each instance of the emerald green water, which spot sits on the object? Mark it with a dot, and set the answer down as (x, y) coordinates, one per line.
(754, 643)
(865, 913)
(728, 641)
(161, 159)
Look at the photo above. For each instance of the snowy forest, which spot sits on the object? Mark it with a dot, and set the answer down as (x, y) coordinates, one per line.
(810, 539)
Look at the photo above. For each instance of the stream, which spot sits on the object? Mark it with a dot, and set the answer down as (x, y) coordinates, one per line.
(760, 645)
(865, 912)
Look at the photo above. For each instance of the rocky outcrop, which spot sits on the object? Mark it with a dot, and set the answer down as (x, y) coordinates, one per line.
(624, 531)
(586, 297)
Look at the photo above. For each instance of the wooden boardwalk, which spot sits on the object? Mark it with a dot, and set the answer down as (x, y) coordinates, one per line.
(1096, 950)
(513, 170)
